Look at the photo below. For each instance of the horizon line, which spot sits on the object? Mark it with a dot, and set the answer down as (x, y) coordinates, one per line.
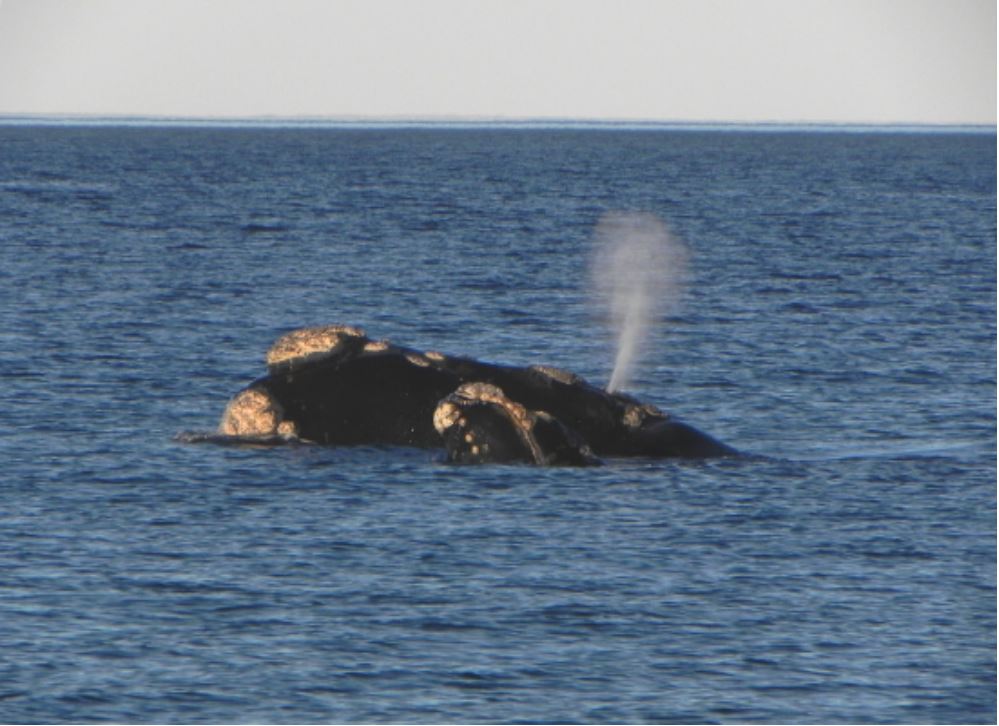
(457, 121)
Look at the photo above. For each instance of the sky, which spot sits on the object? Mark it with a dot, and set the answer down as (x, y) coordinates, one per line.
(815, 61)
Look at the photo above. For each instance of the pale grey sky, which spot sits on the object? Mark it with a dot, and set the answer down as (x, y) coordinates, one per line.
(867, 61)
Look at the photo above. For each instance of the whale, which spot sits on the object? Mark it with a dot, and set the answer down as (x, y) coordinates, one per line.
(334, 385)
(480, 424)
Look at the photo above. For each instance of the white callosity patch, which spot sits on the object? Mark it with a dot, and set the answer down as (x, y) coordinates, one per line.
(377, 346)
(308, 345)
(254, 412)
(637, 414)
(558, 374)
(417, 360)
(446, 415)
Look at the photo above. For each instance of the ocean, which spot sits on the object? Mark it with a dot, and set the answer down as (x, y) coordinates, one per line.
(838, 326)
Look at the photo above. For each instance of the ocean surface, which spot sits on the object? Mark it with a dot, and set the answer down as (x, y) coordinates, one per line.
(839, 326)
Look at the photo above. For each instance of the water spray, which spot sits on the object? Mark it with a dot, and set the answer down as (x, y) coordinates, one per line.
(639, 272)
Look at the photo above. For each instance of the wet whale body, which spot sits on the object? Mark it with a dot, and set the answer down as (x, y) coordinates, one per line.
(334, 385)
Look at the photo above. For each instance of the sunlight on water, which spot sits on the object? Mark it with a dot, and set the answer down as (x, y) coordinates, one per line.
(639, 273)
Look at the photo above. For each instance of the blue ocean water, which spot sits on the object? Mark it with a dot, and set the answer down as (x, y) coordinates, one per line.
(840, 325)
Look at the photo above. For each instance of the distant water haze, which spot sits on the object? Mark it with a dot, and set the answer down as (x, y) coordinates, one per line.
(639, 272)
